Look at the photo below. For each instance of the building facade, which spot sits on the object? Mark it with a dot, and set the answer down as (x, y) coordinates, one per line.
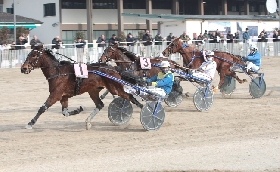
(65, 17)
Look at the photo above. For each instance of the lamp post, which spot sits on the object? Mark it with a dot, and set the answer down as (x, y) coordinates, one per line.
(15, 31)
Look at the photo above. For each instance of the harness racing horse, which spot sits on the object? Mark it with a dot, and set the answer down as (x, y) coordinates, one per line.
(129, 63)
(193, 58)
(63, 82)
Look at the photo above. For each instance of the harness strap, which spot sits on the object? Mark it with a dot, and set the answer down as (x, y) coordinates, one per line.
(55, 76)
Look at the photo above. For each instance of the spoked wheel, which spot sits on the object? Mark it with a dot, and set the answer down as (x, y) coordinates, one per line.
(202, 102)
(174, 99)
(120, 111)
(255, 90)
(229, 86)
(152, 115)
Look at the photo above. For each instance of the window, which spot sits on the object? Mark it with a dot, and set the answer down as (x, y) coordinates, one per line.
(104, 4)
(1, 8)
(74, 4)
(262, 8)
(49, 9)
(161, 4)
(233, 8)
(253, 7)
(128, 4)
(10, 10)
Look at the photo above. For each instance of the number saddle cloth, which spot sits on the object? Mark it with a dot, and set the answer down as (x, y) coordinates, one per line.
(81, 70)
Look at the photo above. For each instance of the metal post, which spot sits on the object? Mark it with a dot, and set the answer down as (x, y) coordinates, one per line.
(15, 29)
(89, 21)
(279, 13)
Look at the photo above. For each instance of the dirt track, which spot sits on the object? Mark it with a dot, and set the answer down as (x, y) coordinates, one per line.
(238, 133)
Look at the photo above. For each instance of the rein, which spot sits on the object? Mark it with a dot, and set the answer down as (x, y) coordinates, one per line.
(57, 67)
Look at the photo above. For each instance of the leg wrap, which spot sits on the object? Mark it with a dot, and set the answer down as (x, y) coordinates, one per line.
(65, 112)
(95, 111)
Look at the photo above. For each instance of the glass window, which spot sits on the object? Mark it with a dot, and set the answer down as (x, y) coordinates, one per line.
(161, 4)
(49, 9)
(104, 4)
(74, 4)
(10, 10)
(1, 8)
(128, 4)
(262, 8)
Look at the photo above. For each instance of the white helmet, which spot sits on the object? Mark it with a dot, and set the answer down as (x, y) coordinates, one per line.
(253, 47)
(164, 64)
(210, 53)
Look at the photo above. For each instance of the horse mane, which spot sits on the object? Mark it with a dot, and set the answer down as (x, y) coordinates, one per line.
(132, 56)
(235, 58)
(49, 53)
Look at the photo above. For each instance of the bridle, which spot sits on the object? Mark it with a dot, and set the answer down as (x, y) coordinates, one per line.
(33, 63)
(105, 53)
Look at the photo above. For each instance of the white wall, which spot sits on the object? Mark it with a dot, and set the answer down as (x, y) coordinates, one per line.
(175, 27)
(34, 9)
(102, 16)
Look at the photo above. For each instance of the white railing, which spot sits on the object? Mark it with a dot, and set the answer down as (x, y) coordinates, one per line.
(14, 58)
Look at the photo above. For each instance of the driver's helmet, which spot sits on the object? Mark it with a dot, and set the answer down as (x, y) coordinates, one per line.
(253, 47)
(209, 55)
(164, 64)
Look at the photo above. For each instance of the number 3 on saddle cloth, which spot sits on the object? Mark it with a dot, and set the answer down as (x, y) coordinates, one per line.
(145, 63)
(81, 70)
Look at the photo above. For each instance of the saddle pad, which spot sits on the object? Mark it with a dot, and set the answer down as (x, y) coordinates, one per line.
(204, 55)
(81, 70)
(145, 63)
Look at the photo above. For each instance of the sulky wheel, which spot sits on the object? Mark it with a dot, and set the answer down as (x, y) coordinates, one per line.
(152, 115)
(229, 85)
(255, 90)
(200, 102)
(174, 99)
(120, 111)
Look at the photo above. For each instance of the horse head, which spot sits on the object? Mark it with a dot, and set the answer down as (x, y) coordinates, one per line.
(33, 60)
(173, 47)
(109, 54)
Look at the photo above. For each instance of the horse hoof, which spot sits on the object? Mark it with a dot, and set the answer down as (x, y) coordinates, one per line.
(28, 127)
(88, 125)
(82, 108)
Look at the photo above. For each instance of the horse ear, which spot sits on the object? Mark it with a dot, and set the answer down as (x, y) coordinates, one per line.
(115, 46)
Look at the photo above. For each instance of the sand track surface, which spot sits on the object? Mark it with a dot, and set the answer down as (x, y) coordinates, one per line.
(238, 133)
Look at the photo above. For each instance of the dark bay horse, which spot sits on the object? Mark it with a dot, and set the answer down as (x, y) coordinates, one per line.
(193, 58)
(130, 61)
(63, 83)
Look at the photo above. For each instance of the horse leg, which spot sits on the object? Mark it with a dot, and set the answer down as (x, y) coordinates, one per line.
(104, 94)
(64, 103)
(222, 79)
(233, 74)
(94, 95)
(52, 99)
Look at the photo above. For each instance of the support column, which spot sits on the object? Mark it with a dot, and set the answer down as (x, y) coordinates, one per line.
(120, 17)
(158, 26)
(200, 7)
(175, 7)
(89, 21)
(246, 7)
(224, 6)
(149, 11)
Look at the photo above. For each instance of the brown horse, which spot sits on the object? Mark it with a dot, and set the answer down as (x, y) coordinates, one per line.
(129, 62)
(193, 58)
(63, 83)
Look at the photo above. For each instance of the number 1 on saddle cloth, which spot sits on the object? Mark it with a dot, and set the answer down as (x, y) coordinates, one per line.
(81, 70)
